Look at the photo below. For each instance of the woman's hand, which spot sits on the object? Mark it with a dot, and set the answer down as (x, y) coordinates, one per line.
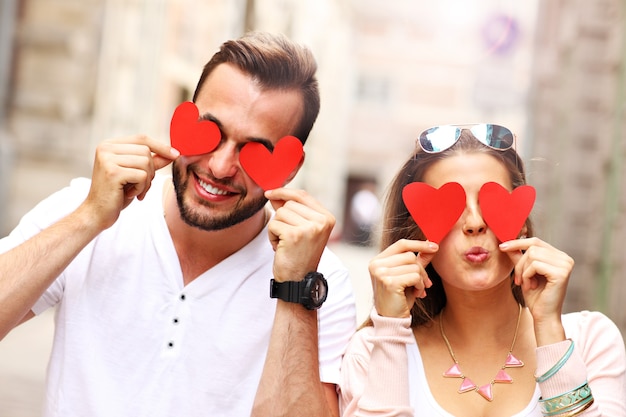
(543, 272)
(398, 276)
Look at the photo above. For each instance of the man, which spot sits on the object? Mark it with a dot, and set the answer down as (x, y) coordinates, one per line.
(162, 287)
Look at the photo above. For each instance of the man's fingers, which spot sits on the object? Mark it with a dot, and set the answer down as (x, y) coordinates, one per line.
(276, 204)
(160, 162)
(157, 147)
(281, 195)
(163, 154)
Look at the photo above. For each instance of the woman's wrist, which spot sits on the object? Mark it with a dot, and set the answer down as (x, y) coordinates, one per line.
(549, 331)
(394, 328)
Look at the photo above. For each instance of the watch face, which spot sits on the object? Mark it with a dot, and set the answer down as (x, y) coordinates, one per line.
(318, 292)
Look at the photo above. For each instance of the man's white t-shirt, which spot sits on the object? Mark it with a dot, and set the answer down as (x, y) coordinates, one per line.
(131, 340)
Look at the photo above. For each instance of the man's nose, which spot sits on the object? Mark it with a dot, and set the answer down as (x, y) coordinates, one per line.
(224, 161)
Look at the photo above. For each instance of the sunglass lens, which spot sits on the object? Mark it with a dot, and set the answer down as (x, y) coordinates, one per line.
(496, 136)
(503, 138)
(439, 138)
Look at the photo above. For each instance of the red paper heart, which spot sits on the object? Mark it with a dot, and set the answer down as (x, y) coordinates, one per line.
(504, 212)
(434, 210)
(271, 169)
(190, 135)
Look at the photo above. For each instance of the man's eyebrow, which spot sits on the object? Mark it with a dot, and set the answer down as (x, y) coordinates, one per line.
(210, 117)
(263, 141)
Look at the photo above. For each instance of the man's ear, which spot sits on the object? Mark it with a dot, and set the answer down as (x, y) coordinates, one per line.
(295, 170)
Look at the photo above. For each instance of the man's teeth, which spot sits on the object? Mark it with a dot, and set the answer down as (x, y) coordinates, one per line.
(212, 190)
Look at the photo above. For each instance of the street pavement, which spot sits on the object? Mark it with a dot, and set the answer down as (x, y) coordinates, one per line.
(25, 351)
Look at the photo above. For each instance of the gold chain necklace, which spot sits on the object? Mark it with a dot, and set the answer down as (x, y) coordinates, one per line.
(485, 391)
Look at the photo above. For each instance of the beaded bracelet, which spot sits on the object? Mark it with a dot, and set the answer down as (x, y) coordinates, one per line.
(557, 365)
(574, 401)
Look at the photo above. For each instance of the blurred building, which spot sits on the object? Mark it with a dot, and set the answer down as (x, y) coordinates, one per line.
(578, 135)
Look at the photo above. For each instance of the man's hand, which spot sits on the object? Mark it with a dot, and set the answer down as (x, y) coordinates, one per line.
(124, 169)
(298, 232)
(290, 383)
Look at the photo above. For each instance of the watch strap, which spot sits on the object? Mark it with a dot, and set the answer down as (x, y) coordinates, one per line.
(287, 291)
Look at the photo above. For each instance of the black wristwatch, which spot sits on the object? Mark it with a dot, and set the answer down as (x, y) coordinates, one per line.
(311, 292)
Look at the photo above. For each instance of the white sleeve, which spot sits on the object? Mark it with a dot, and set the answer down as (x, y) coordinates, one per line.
(44, 214)
(336, 318)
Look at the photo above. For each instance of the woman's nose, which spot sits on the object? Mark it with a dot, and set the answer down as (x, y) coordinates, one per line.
(473, 223)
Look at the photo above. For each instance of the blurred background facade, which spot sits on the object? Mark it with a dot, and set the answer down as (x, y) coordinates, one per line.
(76, 72)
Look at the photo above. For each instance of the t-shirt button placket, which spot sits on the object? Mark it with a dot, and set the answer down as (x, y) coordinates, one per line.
(175, 321)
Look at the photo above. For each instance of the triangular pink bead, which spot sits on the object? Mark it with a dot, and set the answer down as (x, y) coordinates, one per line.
(503, 377)
(467, 385)
(513, 362)
(486, 392)
(453, 372)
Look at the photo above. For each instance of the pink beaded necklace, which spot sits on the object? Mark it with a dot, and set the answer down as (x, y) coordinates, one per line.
(485, 391)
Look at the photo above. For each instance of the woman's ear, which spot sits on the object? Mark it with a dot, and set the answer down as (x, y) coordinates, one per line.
(522, 234)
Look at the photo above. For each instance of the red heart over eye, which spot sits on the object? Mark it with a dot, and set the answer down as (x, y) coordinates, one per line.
(190, 135)
(505, 212)
(271, 169)
(434, 210)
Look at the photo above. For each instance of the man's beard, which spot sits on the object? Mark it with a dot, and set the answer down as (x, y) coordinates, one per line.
(203, 221)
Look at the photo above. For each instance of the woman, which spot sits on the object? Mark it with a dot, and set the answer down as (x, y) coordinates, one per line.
(473, 326)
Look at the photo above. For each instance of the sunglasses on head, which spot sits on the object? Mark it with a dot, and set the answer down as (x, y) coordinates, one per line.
(439, 138)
